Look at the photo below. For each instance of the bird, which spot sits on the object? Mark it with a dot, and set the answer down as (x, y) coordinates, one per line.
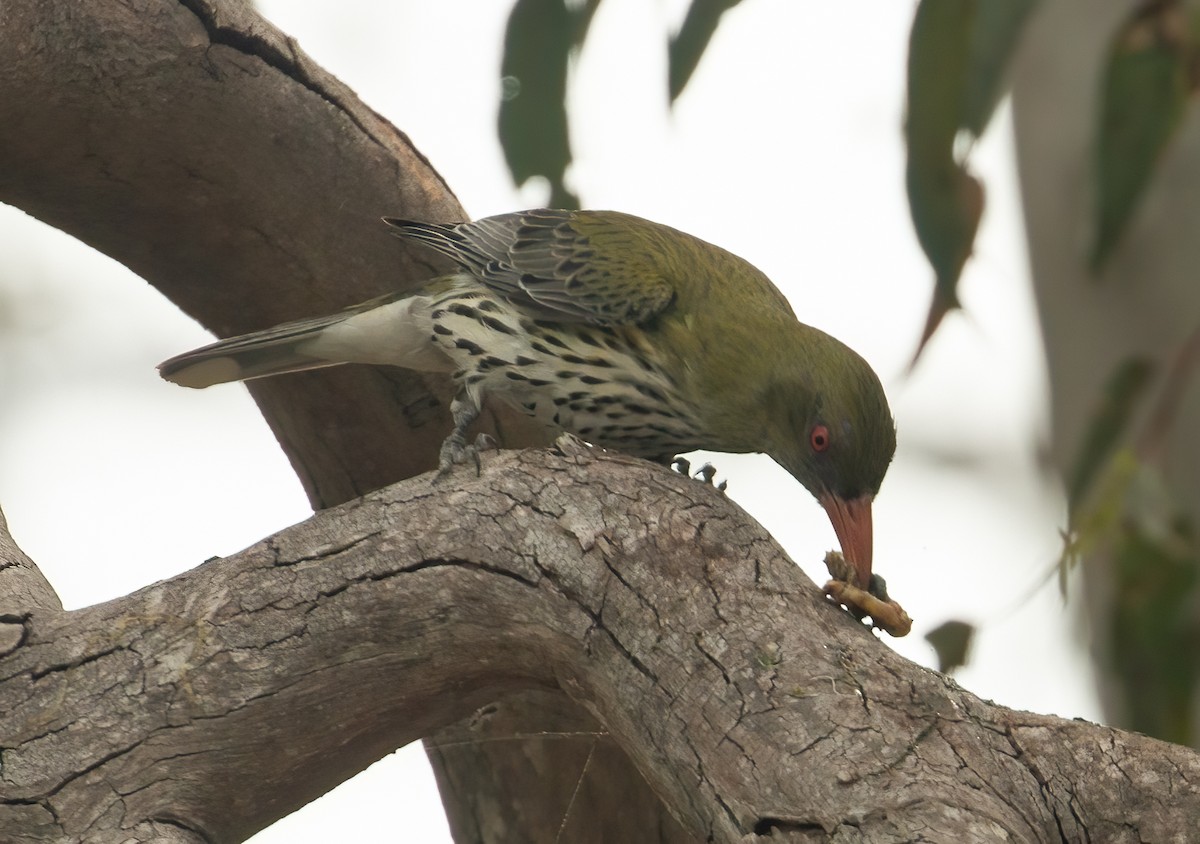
(627, 333)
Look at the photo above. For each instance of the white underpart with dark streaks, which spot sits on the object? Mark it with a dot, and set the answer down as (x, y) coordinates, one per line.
(590, 380)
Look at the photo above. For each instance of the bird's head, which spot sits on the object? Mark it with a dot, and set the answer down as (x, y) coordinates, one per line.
(833, 431)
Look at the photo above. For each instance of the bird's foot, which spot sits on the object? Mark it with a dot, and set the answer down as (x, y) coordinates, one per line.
(704, 474)
(885, 613)
(456, 450)
(569, 444)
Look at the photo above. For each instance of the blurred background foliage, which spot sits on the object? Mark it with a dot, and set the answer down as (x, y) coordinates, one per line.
(1123, 440)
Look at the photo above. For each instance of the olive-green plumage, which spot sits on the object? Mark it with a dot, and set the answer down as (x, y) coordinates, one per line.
(630, 334)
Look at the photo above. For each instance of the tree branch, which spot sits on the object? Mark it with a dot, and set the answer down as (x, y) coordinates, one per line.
(228, 696)
(23, 587)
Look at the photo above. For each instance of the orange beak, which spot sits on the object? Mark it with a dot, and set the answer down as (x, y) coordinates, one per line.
(852, 524)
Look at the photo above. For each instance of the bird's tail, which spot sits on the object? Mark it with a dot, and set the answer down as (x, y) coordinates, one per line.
(272, 351)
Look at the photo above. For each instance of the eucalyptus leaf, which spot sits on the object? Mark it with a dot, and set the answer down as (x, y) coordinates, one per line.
(1143, 97)
(539, 41)
(938, 59)
(994, 37)
(959, 52)
(1096, 522)
(1120, 397)
(1152, 635)
(946, 202)
(688, 45)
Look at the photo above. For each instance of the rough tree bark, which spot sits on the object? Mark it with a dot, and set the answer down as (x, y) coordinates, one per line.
(716, 694)
(206, 706)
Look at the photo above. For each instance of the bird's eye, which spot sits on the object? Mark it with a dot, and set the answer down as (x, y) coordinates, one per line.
(819, 438)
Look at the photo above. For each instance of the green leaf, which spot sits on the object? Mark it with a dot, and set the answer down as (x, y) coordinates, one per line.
(938, 58)
(1096, 522)
(1130, 498)
(946, 202)
(1152, 637)
(952, 643)
(959, 51)
(1144, 93)
(539, 41)
(1109, 421)
(688, 45)
(994, 37)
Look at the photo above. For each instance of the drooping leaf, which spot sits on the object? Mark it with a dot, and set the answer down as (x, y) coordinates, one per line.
(947, 205)
(1130, 520)
(1123, 390)
(951, 642)
(1116, 484)
(946, 202)
(938, 58)
(997, 29)
(1143, 96)
(539, 41)
(688, 45)
(959, 51)
(1152, 637)
(1129, 502)
(1096, 522)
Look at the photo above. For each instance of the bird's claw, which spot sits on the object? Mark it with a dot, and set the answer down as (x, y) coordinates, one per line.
(456, 450)
(569, 444)
(704, 474)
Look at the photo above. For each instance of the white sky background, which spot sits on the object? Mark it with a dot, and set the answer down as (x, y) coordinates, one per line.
(786, 148)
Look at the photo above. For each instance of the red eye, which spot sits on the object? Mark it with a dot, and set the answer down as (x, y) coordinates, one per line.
(819, 438)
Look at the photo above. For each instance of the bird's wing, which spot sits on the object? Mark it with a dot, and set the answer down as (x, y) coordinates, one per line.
(577, 266)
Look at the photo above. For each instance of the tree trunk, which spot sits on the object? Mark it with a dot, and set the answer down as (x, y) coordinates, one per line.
(662, 665)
